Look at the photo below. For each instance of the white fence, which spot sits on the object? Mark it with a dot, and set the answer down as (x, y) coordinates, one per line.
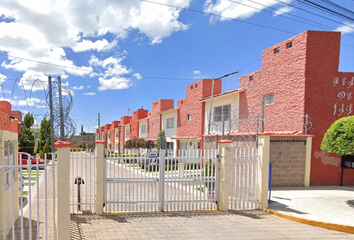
(82, 182)
(28, 198)
(243, 185)
(141, 183)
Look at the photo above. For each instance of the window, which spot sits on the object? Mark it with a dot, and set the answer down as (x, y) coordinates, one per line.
(143, 129)
(170, 145)
(116, 133)
(153, 125)
(109, 136)
(9, 154)
(276, 50)
(269, 99)
(289, 45)
(189, 117)
(127, 132)
(133, 129)
(222, 113)
(251, 78)
(170, 123)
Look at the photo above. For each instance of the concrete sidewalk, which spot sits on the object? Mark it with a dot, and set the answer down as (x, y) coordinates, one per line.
(333, 204)
(251, 224)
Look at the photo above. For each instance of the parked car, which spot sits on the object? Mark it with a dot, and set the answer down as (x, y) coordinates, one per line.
(26, 156)
(152, 159)
(148, 159)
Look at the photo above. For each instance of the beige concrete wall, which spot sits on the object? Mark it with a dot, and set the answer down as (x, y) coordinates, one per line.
(288, 157)
(9, 204)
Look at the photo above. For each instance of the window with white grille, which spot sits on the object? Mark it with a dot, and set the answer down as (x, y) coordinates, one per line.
(143, 128)
(269, 99)
(170, 123)
(222, 112)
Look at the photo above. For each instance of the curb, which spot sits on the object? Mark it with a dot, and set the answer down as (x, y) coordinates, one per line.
(330, 226)
(159, 212)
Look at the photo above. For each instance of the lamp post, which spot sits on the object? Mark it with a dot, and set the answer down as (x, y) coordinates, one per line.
(119, 128)
(212, 94)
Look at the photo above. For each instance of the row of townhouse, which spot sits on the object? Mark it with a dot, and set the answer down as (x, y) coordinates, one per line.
(299, 90)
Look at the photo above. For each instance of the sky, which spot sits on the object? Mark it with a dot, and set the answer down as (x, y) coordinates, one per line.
(118, 56)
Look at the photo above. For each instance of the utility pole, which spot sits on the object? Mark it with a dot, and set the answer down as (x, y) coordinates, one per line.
(51, 115)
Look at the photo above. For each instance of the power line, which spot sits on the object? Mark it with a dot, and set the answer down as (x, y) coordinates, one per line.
(305, 21)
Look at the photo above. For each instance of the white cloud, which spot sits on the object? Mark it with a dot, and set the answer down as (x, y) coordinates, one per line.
(88, 86)
(89, 93)
(30, 102)
(2, 78)
(78, 88)
(114, 83)
(196, 72)
(99, 45)
(346, 28)
(283, 10)
(33, 81)
(44, 30)
(229, 9)
(137, 75)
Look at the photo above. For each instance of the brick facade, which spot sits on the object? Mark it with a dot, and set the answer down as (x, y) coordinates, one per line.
(288, 158)
(197, 91)
(154, 119)
(134, 124)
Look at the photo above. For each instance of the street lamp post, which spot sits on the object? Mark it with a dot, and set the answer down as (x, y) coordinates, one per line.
(119, 128)
(212, 94)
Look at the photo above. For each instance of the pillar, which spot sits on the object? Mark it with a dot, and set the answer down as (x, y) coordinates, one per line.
(99, 151)
(224, 174)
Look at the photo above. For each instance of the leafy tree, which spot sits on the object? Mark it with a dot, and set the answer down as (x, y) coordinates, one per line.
(161, 140)
(27, 138)
(339, 137)
(149, 144)
(45, 138)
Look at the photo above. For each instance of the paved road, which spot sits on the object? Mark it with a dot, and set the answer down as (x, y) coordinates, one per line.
(233, 225)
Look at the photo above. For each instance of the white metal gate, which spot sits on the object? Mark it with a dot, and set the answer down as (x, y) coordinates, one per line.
(243, 185)
(27, 197)
(136, 182)
(82, 182)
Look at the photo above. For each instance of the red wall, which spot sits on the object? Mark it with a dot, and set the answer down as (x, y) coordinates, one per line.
(123, 120)
(138, 114)
(322, 93)
(301, 77)
(190, 105)
(153, 117)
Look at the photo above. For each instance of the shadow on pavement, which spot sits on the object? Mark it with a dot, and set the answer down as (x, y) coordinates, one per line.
(283, 207)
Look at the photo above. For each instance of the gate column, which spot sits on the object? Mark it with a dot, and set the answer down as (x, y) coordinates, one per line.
(224, 174)
(63, 188)
(263, 170)
(99, 177)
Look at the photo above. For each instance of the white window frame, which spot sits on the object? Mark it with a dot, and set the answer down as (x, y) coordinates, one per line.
(143, 128)
(170, 123)
(268, 99)
(220, 112)
(189, 117)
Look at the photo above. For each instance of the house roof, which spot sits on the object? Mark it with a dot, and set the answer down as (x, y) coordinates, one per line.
(223, 94)
(168, 110)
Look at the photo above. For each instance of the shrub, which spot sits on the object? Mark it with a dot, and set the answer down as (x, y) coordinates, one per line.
(339, 137)
(76, 149)
(192, 166)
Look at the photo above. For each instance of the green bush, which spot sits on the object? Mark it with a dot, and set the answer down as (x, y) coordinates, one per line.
(339, 137)
(76, 149)
(192, 166)
(209, 171)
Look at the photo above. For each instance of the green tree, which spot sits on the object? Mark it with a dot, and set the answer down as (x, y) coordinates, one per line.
(27, 138)
(161, 140)
(44, 138)
(339, 137)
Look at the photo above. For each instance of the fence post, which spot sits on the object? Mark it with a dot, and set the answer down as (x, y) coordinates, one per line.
(224, 174)
(263, 170)
(99, 177)
(308, 161)
(63, 188)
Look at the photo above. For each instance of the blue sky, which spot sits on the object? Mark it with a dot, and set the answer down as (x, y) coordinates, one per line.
(115, 55)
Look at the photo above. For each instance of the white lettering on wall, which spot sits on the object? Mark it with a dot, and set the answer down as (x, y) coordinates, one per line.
(341, 108)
